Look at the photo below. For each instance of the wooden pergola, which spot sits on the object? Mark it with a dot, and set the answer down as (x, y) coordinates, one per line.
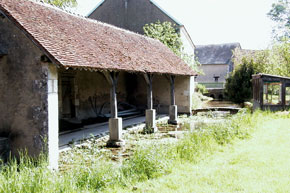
(270, 92)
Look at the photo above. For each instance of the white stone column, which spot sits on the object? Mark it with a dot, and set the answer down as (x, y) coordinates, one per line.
(52, 100)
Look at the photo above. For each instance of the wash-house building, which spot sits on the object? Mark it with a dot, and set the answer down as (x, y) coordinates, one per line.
(59, 70)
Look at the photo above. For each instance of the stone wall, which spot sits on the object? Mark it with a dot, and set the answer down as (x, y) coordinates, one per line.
(23, 91)
(184, 88)
(92, 91)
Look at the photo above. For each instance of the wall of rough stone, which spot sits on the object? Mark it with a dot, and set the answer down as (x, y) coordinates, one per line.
(23, 91)
(93, 91)
(184, 87)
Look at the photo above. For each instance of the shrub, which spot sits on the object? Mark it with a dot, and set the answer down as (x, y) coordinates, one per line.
(238, 86)
(201, 89)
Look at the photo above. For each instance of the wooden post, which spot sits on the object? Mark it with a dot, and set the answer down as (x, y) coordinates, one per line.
(150, 112)
(261, 90)
(283, 93)
(172, 107)
(172, 89)
(149, 79)
(112, 78)
(115, 123)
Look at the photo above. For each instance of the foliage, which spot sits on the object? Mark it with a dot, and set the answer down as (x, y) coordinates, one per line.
(88, 169)
(270, 61)
(238, 86)
(201, 89)
(61, 3)
(280, 13)
(166, 33)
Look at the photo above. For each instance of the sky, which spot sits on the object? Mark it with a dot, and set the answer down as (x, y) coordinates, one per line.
(215, 21)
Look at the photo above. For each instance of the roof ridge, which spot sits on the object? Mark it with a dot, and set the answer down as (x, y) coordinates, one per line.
(41, 3)
(219, 44)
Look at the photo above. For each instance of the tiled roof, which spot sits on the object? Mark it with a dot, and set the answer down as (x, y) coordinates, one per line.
(216, 53)
(77, 42)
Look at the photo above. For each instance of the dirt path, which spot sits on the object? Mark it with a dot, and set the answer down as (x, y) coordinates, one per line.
(260, 164)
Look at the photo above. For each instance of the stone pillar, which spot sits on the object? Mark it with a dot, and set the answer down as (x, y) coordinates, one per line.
(172, 115)
(115, 123)
(52, 98)
(115, 128)
(151, 119)
(150, 112)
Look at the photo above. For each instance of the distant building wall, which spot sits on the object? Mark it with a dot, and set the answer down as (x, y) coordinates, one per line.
(130, 14)
(23, 91)
(211, 70)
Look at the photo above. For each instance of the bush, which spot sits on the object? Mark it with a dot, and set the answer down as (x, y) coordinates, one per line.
(201, 89)
(238, 86)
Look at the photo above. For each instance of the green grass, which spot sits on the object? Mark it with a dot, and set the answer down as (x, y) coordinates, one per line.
(259, 164)
(154, 165)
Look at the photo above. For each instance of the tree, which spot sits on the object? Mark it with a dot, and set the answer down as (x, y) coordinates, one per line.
(61, 3)
(166, 33)
(238, 86)
(280, 13)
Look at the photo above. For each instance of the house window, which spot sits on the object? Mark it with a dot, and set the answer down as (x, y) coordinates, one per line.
(216, 78)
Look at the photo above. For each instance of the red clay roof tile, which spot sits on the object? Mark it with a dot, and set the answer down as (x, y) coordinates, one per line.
(77, 42)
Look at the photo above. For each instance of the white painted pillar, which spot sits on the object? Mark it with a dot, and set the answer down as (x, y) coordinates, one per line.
(52, 100)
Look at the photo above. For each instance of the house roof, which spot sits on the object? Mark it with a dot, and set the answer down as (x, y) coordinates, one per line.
(216, 53)
(77, 42)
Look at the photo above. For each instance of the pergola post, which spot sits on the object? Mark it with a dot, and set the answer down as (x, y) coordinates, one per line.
(283, 94)
(173, 107)
(150, 112)
(261, 94)
(115, 123)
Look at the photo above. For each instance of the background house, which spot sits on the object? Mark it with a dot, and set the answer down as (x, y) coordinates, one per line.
(216, 62)
(134, 14)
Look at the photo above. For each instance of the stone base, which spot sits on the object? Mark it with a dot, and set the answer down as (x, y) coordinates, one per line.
(115, 128)
(112, 143)
(151, 119)
(173, 115)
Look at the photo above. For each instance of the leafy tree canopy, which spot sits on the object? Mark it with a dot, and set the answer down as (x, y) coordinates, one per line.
(167, 33)
(61, 3)
(280, 13)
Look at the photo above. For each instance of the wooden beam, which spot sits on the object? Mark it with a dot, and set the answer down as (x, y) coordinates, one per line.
(149, 78)
(112, 78)
(261, 90)
(172, 89)
(283, 94)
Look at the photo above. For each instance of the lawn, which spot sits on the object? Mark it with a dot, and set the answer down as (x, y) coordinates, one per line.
(259, 164)
(241, 153)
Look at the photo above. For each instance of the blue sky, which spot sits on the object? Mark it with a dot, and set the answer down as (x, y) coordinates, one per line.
(216, 21)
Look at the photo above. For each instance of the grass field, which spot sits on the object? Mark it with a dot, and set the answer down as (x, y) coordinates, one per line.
(243, 153)
(259, 164)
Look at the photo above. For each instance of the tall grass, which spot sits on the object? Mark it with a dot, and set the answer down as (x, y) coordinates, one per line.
(91, 172)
